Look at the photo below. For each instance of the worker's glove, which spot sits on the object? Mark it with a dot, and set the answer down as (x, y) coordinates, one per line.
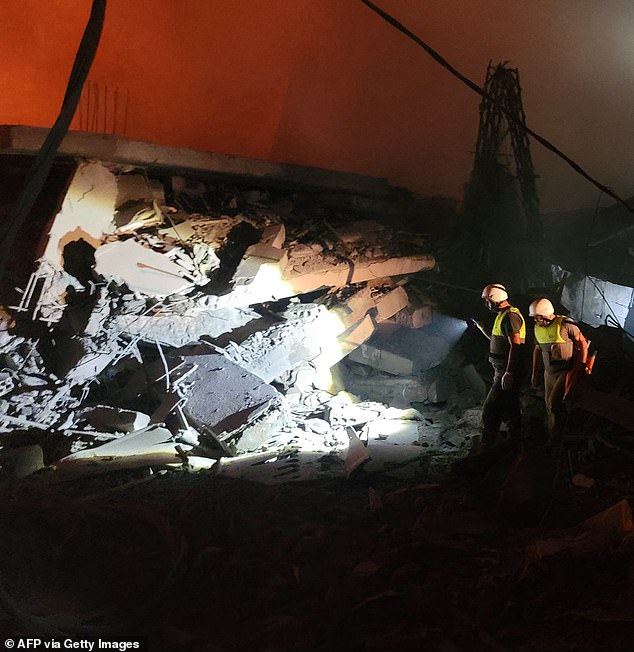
(472, 322)
(507, 381)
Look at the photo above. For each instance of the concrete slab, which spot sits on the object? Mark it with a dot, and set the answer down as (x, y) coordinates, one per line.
(382, 360)
(141, 269)
(15, 139)
(188, 328)
(411, 351)
(223, 397)
(109, 419)
(148, 441)
(308, 331)
(302, 279)
(87, 211)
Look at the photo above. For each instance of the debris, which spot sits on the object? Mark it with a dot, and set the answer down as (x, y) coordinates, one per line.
(223, 398)
(152, 446)
(141, 269)
(357, 453)
(163, 339)
(600, 533)
(111, 419)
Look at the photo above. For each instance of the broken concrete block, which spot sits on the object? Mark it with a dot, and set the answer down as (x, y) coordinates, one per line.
(141, 269)
(397, 391)
(87, 211)
(274, 236)
(268, 280)
(381, 360)
(404, 351)
(357, 454)
(341, 412)
(336, 350)
(400, 461)
(180, 231)
(355, 307)
(308, 333)
(593, 300)
(267, 252)
(224, 398)
(393, 431)
(356, 336)
(152, 441)
(284, 465)
(302, 279)
(262, 430)
(89, 366)
(391, 303)
(262, 276)
(109, 419)
(413, 317)
(153, 446)
(263, 261)
(186, 327)
(318, 426)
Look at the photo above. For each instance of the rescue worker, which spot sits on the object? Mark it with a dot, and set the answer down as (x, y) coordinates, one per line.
(564, 353)
(505, 351)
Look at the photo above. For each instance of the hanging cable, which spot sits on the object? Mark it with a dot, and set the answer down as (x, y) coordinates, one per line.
(480, 91)
(43, 162)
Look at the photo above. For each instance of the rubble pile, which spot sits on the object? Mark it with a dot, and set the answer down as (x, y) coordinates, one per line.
(162, 328)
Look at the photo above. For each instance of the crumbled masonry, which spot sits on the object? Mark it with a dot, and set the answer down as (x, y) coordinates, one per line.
(162, 332)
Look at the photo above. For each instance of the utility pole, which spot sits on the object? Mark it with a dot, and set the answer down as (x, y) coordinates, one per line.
(501, 197)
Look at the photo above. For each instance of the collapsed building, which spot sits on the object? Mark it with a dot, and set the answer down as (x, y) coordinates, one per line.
(175, 321)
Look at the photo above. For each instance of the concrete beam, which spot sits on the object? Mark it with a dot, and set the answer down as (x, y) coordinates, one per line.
(16, 139)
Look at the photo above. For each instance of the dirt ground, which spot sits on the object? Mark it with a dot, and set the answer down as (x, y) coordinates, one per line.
(203, 563)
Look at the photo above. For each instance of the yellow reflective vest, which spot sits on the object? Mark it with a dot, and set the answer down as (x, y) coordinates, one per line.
(555, 343)
(500, 345)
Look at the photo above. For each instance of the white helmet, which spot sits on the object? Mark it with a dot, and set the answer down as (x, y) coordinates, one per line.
(541, 308)
(495, 293)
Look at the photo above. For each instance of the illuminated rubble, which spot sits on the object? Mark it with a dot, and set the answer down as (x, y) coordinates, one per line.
(171, 334)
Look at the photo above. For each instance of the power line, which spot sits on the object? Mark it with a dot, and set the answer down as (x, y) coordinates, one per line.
(38, 174)
(480, 91)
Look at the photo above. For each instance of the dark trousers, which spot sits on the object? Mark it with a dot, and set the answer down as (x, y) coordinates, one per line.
(499, 406)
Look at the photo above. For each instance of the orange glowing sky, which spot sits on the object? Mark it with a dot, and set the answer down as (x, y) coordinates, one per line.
(327, 83)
